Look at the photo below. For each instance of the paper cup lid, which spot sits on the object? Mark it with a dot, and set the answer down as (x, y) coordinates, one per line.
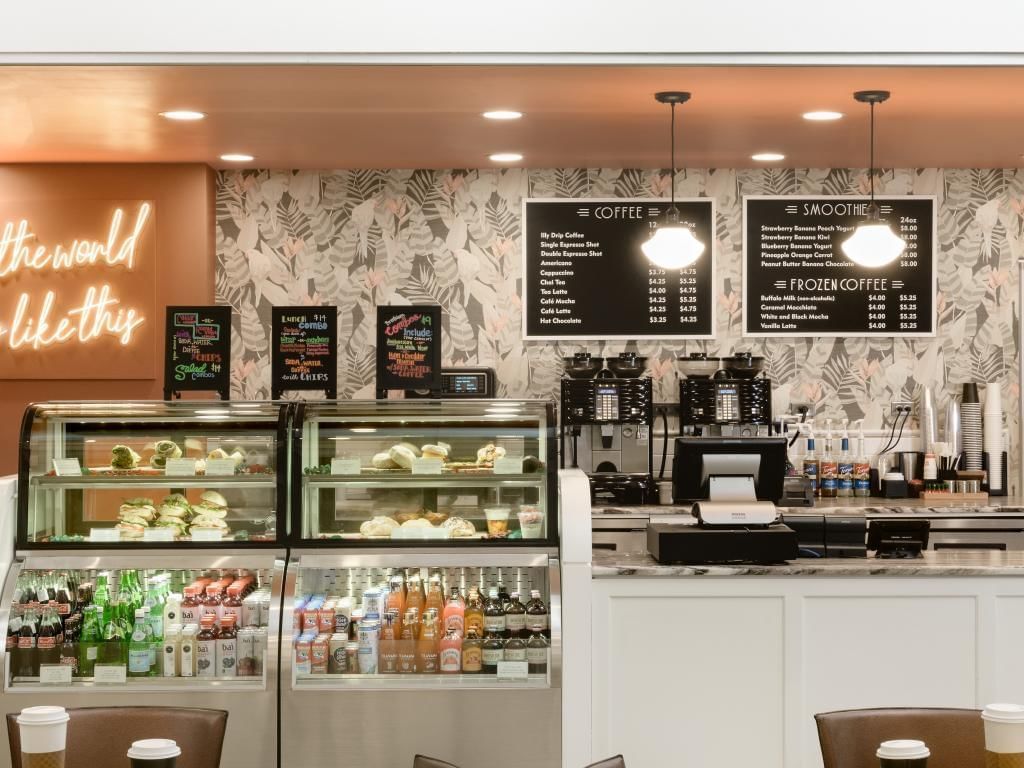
(1003, 713)
(42, 716)
(902, 749)
(153, 749)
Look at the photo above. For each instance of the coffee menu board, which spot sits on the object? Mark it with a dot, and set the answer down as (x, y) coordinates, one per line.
(197, 350)
(586, 277)
(408, 348)
(304, 351)
(798, 282)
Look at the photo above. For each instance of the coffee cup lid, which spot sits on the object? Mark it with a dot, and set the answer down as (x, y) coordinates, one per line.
(42, 716)
(1003, 713)
(153, 749)
(902, 749)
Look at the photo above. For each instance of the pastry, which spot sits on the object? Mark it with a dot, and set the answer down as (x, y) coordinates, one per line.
(418, 522)
(123, 457)
(383, 460)
(217, 454)
(486, 455)
(402, 456)
(435, 452)
(378, 526)
(459, 527)
(415, 450)
(445, 447)
(162, 451)
(436, 518)
(403, 517)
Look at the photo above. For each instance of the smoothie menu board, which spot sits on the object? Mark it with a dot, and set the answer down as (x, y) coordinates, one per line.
(586, 277)
(798, 282)
(197, 352)
(409, 347)
(305, 349)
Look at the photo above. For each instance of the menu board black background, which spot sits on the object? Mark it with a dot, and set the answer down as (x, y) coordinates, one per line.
(421, 336)
(197, 350)
(612, 294)
(288, 367)
(895, 310)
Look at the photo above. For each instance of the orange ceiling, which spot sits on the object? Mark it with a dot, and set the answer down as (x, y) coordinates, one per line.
(576, 116)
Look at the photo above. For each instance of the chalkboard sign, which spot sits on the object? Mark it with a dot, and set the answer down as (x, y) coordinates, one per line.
(197, 352)
(304, 351)
(798, 282)
(586, 277)
(408, 348)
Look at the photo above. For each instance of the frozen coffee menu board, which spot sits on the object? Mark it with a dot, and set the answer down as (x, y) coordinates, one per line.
(798, 282)
(305, 349)
(586, 277)
(197, 350)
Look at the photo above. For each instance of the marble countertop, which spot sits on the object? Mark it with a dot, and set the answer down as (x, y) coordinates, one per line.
(870, 507)
(943, 563)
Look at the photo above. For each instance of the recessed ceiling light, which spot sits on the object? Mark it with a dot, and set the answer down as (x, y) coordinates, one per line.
(183, 115)
(503, 114)
(506, 157)
(237, 157)
(822, 115)
(768, 157)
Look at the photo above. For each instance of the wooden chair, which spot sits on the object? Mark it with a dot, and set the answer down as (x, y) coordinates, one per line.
(849, 738)
(102, 735)
(611, 762)
(422, 761)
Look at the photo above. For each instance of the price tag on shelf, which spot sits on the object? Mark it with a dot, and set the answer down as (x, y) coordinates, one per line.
(158, 534)
(181, 468)
(206, 534)
(67, 468)
(112, 674)
(507, 465)
(427, 466)
(513, 670)
(55, 674)
(104, 534)
(219, 467)
(345, 466)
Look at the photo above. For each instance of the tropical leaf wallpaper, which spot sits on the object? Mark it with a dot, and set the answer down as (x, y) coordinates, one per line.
(360, 238)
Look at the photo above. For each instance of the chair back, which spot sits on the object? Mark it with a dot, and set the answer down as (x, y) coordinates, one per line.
(849, 738)
(422, 761)
(100, 736)
(611, 762)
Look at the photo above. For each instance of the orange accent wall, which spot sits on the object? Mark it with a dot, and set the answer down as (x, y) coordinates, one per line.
(184, 245)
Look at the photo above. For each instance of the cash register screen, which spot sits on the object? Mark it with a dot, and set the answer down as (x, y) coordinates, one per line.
(698, 458)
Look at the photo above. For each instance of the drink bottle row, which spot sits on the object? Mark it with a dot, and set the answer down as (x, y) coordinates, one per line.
(403, 628)
(167, 623)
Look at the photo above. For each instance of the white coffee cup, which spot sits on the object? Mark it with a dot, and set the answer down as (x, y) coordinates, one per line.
(43, 730)
(1004, 728)
(159, 753)
(902, 749)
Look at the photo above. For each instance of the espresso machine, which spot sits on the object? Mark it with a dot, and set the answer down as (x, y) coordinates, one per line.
(607, 416)
(724, 396)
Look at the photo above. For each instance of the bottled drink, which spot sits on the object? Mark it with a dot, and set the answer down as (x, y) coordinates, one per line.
(101, 595)
(494, 616)
(537, 653)
(62, 598)
(172, 611)
(427, 661)
(515, 617)
(861, 468)
(212, 602)
(387, 654)
(69, 648)
(396, 596)
(493, 650)
(435, 595)
(89, 641)
(845, 470)
(455, 613)
(472, 652)
(140, 649)
(232, 605)
(191, 608)
(13, 628)
(474, 614)
(206, 647)
(227, 648)
(113, 650)
(810, 465)
(828, 469)
(154, 601)
(503, 596)
(414, 597)
(515, 649)
(48, 641)
(451, 652)
(407, 644)
(536, 614)
(28, 666)
(154, 642)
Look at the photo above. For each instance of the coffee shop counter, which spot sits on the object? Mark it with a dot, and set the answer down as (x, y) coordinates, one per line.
(995, 505)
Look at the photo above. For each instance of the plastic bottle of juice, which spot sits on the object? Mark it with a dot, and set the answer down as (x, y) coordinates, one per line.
(455, 613)
(232, 605)
(227, 648)
(191, 608)
(427, 661)
(212, 602)
(451, 652)
(206, 647)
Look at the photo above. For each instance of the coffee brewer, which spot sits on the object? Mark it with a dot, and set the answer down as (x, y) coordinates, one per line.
(724, 397)
(607, 415)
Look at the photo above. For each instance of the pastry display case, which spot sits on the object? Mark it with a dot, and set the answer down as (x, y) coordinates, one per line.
(153, 474)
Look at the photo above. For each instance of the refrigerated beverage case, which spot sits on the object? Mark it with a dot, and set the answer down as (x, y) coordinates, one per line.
(515, 617)
(474, 613)
(227, 648)
(387, 655)
(494, 615)
(493, 651)
(206, 647)
(472, 652)
(139, 647)
(191, 607)
(455, 613)
(536, 614)
(537, 654)
(427, 661)
(451, 652)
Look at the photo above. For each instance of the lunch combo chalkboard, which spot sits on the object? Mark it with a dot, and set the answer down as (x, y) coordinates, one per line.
(197, 350)
(798, 282)
(586, 277)
(304, 350)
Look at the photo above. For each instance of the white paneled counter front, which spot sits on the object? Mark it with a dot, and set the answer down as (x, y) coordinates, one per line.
(725, 666)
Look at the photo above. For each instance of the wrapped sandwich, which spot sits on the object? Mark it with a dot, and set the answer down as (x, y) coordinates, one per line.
(123, 457)
(162, 451)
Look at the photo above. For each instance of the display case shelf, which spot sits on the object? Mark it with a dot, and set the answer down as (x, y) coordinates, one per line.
(141, 685)
(446, 480)
(401, 682)
(98, 481)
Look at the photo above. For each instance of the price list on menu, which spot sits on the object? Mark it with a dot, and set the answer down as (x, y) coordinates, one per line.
(305, 349)
(798, 282)
(197, 350)
(585, 275)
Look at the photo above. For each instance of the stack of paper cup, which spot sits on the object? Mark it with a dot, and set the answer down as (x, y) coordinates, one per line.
(970, 418)
(992, 429)
(1004, 735)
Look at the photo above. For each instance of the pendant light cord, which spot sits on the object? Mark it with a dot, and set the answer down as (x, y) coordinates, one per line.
(672, 210)
(871, 170)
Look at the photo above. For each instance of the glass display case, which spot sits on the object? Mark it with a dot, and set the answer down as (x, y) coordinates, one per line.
(153, 474)
(414, 473)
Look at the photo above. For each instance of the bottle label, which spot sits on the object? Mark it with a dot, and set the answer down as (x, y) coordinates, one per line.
(495, 624)
(829, 483)
(63, 609)
(536, 655)
(226, 658)
(428, 663)
(515, 654)
(46, 643)
(138, 660)
(515, 622)
(811, 469)
(206, 657)
(537, 622)
(92, 652)
(845, 469)
(862, 484)
(845, 483)
(190, 614)
(388, 661)
(476, 621)
(455, 623)
(406, 661)
(451, 660)
(492, 656)
(471, 659)
(70, 661)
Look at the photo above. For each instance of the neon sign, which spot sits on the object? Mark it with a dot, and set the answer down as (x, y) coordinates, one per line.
(97, 313)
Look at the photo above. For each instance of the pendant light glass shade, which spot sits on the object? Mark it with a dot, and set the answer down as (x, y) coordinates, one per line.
(673, 247)
(873, 244)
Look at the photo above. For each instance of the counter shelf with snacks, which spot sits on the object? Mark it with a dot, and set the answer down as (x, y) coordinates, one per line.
(415, 473)
(152, 474)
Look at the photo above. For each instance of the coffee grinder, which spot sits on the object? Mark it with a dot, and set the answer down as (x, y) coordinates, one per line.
(605, 429)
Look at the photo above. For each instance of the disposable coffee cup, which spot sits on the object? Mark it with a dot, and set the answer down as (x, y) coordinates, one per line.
(903, 753)
(1004, 735)
(665, 492)
(44, 732)
(154, 753)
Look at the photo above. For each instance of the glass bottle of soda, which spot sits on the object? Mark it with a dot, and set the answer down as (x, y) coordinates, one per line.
(474, 613)
(450, 656)
(387, 653)
(139, 647)
(494, 616)
(536, 614)
(407, 644)
(537, 654)
(427, 662)
(89, 641)
(515, 648)
(515, 617)
(113, 650)
(69, 648)
(435, 595)
(47, 639)
(503, 596)
(472, 652)
(492, 651)
(455, 613)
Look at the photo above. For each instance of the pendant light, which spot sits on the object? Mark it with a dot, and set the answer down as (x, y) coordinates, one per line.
(672, 246)
(873, 243)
